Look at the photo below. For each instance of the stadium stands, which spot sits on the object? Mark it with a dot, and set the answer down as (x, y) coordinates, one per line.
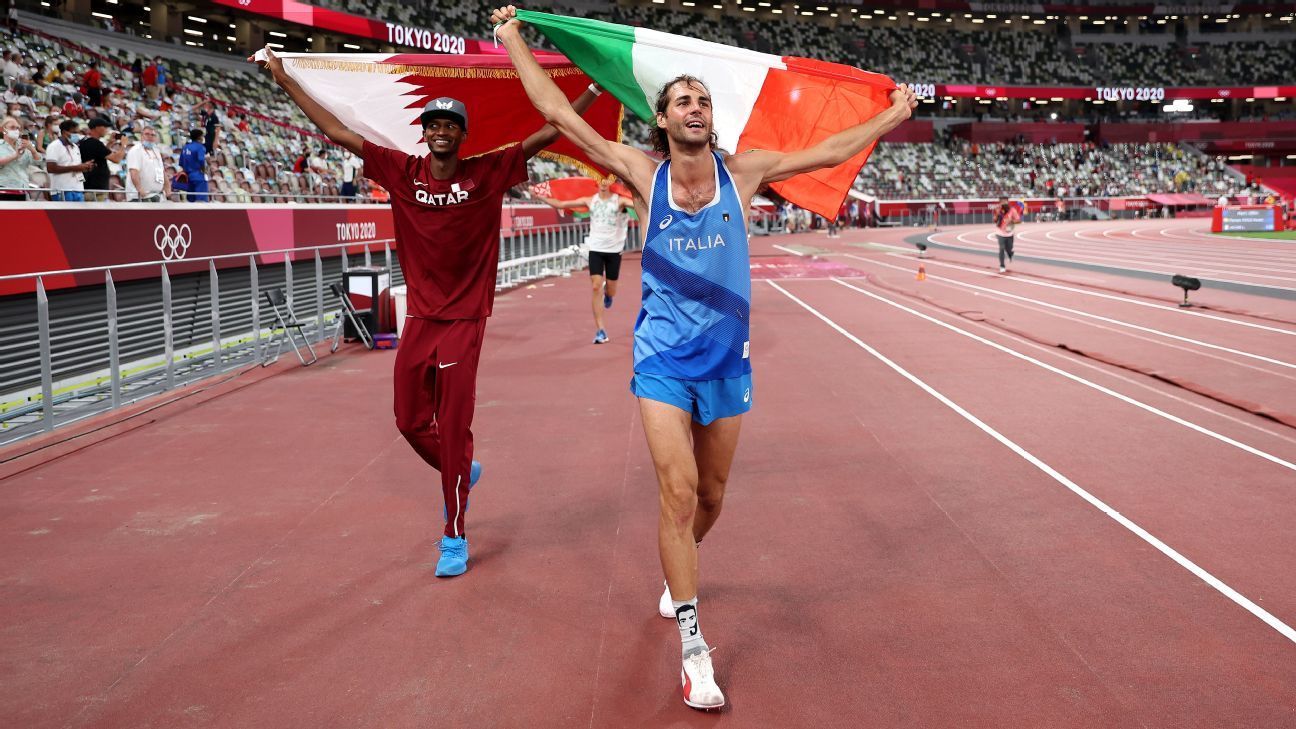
(957, 169)
(267, 155)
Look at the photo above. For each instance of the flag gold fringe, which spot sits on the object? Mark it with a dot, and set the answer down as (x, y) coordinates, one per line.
(320, 64)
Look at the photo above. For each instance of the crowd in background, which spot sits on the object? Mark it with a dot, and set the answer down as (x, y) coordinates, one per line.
(98, 124)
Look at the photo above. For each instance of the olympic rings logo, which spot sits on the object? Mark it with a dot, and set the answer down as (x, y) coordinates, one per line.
(172, 241)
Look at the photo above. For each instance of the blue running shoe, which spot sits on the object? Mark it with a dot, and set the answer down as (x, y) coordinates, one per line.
(474, 473)
(600, 337)
(454, 557)
(607, 301)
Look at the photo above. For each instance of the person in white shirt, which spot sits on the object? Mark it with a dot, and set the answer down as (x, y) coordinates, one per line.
(1222, 202)
(351, 166)
(63, 162)
(608, 224)
(146, 178)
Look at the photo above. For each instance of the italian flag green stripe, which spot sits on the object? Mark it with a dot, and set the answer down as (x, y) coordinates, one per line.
(602, 50)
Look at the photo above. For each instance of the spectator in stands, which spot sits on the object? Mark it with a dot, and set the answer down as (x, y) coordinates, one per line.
(92, 81)
(18, 103)
(211, 126)
(193, 162)
(151, 79)
(17, 74)
(145, 172)
(161, 76)
(48, 133)
(316, 169)
(72, 107)
(13, 16)
(56, 74)
(137, 75)
(63, 162)
(94, 150)
(351, 169)
(17, 153)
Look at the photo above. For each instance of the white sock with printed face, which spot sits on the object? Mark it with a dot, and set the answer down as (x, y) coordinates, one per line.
(690, 629)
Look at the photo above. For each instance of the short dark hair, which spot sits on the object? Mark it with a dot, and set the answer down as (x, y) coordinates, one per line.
(99, 121)
(196, 135)
(656, 134)
(68, 125)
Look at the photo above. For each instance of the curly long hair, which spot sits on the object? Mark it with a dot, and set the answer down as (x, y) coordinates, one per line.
(656, 134)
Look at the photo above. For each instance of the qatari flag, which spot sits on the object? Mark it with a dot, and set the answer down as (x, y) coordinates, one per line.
(380, 97)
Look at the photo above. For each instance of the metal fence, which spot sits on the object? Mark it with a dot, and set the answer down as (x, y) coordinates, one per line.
(67, 354)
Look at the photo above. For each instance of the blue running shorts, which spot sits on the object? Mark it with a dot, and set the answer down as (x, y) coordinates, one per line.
(705, 400)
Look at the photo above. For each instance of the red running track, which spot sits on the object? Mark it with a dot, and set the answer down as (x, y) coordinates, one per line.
(937, 517)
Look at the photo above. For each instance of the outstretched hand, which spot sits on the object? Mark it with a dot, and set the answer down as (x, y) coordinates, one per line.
(267, 59)
(505, 17)
(903, 98)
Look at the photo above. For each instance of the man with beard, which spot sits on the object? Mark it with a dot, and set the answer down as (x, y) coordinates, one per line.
(692, 371)
(447, 217)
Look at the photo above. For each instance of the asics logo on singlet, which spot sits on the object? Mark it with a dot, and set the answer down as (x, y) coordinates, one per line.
(665, 222)
(747, 395)
(440, 198)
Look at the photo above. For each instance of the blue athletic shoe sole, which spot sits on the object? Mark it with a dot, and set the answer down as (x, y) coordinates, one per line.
(607, 301)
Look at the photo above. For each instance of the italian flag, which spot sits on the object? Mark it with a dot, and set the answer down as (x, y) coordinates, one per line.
(759, 100)
(380, 96)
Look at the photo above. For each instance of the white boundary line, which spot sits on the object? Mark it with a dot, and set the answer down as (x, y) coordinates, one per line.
(1118, 322)
(788, 250)
(1076, 378)
(1099, 294)
(1238, 598)
(1046, 256)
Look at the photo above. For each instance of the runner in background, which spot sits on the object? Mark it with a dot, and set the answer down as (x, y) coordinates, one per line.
(607, 236)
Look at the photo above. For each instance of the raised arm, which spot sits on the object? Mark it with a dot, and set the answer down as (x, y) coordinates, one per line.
(332, 127)
(626, 162)
(547, 134)
(564, 204)
(761, 167)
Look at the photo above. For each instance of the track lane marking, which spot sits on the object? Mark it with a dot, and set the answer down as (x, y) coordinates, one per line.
(1101, 295)
(1237, 597)
(1076, 378)
(1047, 255)
(1099, 317)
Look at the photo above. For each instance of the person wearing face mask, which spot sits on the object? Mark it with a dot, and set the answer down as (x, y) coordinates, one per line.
(146, 178)
(63, 161)
(16, 155)
(352, 165)
(48, 134)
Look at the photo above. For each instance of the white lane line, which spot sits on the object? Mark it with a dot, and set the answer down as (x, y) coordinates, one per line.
(1099, 317)
(1237, 597)
(1099, 294)
(1101, 252)
(1046, 254)
(788, 250)
(1076, 378)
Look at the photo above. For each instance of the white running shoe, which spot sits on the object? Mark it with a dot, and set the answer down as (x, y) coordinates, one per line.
(665, 608)
(698, 680)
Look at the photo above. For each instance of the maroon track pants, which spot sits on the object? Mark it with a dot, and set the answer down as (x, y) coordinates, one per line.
(436, 389)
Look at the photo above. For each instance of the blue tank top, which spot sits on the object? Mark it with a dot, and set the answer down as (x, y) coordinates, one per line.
(695, 323)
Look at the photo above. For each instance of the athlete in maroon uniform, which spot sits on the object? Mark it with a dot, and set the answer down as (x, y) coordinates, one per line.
(447, 215)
